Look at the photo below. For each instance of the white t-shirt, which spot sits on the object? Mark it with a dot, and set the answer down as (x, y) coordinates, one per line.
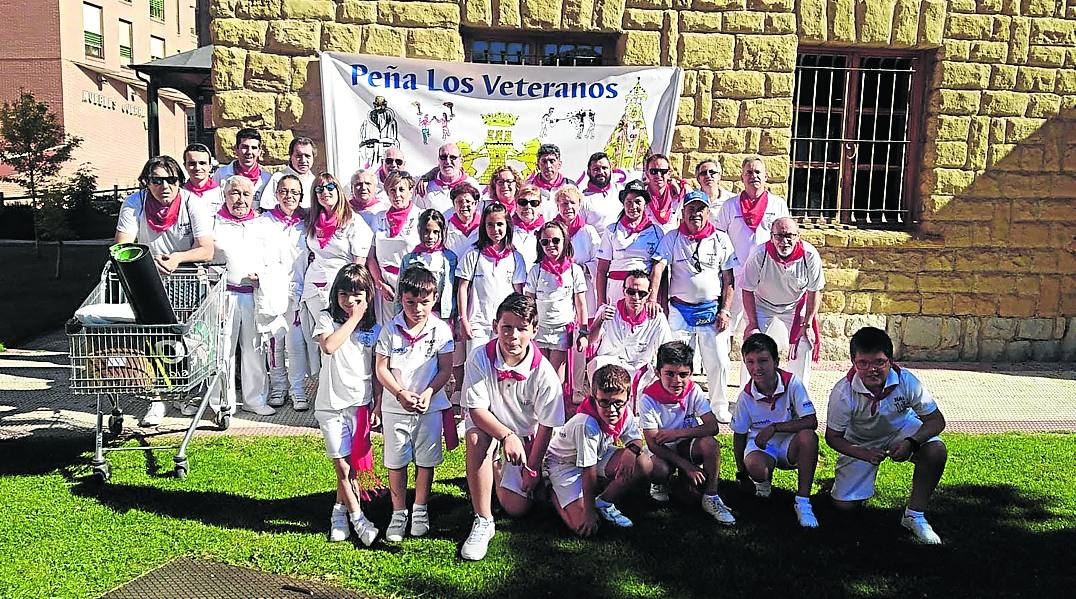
(291, 245)
(582, 442)
(556, 302)
(714, 254)
(637, 347)
(213, 198)
(675, 214)
(751, 414)
(602, 208)
(228, 170)
(391, 250)
(345, 246)
(346, 377)
(268, 200)
(777, 288)
(490, 284)
(455, 240)
(656, 415)
(194, 221)
(626, 252)
(526, 243)
(369, 214)
(519, 405)
(850, 408)
(414, 366)
(245, 247)
(729, 218)
(438, 196)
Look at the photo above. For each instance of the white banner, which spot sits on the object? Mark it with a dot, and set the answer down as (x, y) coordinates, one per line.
(496, 114)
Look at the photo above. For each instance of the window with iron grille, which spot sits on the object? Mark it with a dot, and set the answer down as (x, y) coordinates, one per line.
(92, 30)
(856, 129)
(156, 9)
(540, 48)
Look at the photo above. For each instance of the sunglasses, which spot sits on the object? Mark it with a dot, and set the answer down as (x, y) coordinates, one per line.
(617, 405)
(448, 157)
(548, 241)
(709, 173)
(536, 202)
(639, 293)
(326, 187)
(162, 180)
(659, 171)
(392, 161)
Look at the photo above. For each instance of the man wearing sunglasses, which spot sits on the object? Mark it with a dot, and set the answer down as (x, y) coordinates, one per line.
(601, 197)
(782, 281)
(248, 154)
(301, 153)
(435, 188)
(393, 161)
(700, 260)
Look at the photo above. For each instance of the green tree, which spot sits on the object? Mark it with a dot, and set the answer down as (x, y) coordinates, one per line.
(59, 204)
(33, 142)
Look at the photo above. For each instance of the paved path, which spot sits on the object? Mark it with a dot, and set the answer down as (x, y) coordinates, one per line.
(35, 401)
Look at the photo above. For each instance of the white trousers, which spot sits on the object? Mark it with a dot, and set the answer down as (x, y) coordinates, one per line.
(777, 326)
(713, 347)
(241, 331)
(304, 353)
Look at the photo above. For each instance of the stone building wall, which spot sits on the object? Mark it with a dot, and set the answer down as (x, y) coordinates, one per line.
(990, 271)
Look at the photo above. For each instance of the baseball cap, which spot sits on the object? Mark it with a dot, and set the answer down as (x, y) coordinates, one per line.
(696, 196)
(637, 187)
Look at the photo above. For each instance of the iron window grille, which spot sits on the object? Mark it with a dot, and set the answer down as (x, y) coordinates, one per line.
(156, 9)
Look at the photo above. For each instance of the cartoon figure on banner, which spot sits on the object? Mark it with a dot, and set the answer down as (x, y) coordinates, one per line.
(378, 133)
(425, 119)
(547, 122)
(499, 148)
(444, 120)
(629, 142)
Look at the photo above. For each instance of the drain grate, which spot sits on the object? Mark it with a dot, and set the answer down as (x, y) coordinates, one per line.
(187, 578)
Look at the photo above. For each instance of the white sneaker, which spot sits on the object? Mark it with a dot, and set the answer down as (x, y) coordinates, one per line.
(397, 526)
(338, 524)
(723, 416)
(299, 402)
(805, 513)
(609, 512)
(260, 410)
(477, 543)
(763, 490)
(420, 523)
(365, 529)
(660, 493)
(717, 508)
(276, 397)
(921, 529)
(154, 414)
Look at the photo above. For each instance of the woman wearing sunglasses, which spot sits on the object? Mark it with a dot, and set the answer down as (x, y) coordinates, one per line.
(526, 221)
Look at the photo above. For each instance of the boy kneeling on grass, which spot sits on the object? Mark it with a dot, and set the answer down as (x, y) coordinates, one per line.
(679, 428)
(584, 452)
(878, 411)
(773, 425)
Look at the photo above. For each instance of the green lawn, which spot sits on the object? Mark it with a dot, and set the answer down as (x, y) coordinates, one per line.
(1006, 509)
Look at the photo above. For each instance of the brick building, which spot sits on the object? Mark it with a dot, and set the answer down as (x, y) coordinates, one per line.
(75, 56)
(927, 143)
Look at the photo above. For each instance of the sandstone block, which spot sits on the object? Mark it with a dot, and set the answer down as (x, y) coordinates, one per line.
(222, 9)
(577, 15)
(1047, 56)
(1019, 40)
(301, 69)
(725, 113)
(854, 322)
(950, 128)
(767, 52)
(268, 72)
(876, 20)
(857, 303)
(1003, 77)
(988, 52)
(237, 32)
(1017, 351)
(951, 154)
(1049, 297)
(276, 144)
(258, 9)
(704, 102)
(386, 41)
(1053, 32)
(813, 20)
(705, 51)
(637, 18)
(1016, 306)
(959, 75)
(357, 12)
(906, 22)
(685, 112)
(336, 37)
(956, 102)
(953, 181)
(723, 140)
(923, 332)
(901, 282)
(699, 21)
(477, 13)
(998, 103)
(771, 5)
(999, 328)
(745, 22)
(229, 66)
(509, 13)
(642, 47)
(685, 138)
(991, 350)
(969, 342)
(721, 4)
(739, 84)
(1035, 328)
(289, 110)
(932, 22)
(246, 109)
(539, 14)
(780, 23)
(775, 141)
(308, 10)
(970, 305)
(294, 37)
(841, 278)
(439, 44)
(832, 302)
(1045, 351)
(767, 113)
(970, 26)
(780, 85)
(612, 16)
(421, 14)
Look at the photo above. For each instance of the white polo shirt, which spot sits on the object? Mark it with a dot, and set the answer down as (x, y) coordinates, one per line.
(656, 415)
(850, 408)
(626, 251)
(729, 219)
(245, 247)
(634, 347)
(556, 302)
(414, 366)
(519, 405)
(438, 196)
(391, 250)
(715, 254)
(213, 198)
(194, 221)
(778, 288)
(369, 214)
(346, 377)
(490, 284)
(675, 214)
(526, 243)
(602, 208)
(585, 244)
(345, 246)
(456, 240)
(752, 414)
(268, 199)
(582, 442)
(228, 170)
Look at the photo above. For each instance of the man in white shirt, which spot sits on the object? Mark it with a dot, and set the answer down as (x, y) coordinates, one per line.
(548, 177)
(301, 153)
(434, 191)
(248, 154)
(782, 280)
(393, 161)
(601, 197)
(198, 161)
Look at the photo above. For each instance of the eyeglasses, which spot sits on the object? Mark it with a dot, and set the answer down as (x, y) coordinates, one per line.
(696, 262)
(871, 364)
(709, 173)
(162, 180)
(326, 187)
(617, 405)
(785, 235)
(241, 192)
(506, 181)
(659, 171)
(392, 161)
(448, 157)
(548, 241)
(295, 193)
(639, 293)
(536, 202)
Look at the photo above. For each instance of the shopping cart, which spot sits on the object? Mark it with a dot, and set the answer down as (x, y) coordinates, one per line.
(153, 363)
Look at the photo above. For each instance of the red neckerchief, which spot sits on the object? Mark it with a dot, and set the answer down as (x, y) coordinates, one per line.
(573, 227)
(662, 209)
(411, 339)
(223, 212)
(797, 253)
(254, 174)
(796, 330)
(396, 218)
(497, 255)
(556, 268)
(468, 228)
(786, 377)
(324, 229)
(876, 399)
(660, 395)
(518, 222)
(633, 320)
(592, 188)
(537, 181)
(491, 355)
(296, 216)
(161, 217)
(422, 248)
(509, 204)
(706, 231)
(644, 222)
(587, 407)
(199, 190)
(752, 212)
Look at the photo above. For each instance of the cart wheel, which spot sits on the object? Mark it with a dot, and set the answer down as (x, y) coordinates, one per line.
(101, 473)
(181, 470)
(115, 425)
(224, 421)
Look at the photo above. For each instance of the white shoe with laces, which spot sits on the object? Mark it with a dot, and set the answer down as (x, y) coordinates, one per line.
(723, 415)
(715, 507)
(477, 543)
(920, 528)
(338, 524)
(659, 493)
(154, 414)
(805, 514)
(609, 512)
(260, 410)
(397, 526)
(365, 529)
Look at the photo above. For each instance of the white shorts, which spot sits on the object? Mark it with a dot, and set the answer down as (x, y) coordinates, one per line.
(567, 479)
(853, 479)
(777, 449)
(338, 428)
(552, 337)
(412, 437)
(511, 475)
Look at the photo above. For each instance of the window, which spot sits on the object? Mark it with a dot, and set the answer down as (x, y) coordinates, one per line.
(92, 28)
(855, 137)
(538, 48)
(156, 9)
(156, 48)
(126, 35)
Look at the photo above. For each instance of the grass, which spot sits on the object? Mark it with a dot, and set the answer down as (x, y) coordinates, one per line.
(1006, 508)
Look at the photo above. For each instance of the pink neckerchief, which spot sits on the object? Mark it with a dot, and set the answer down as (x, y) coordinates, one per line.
(411, 339)
(753, 212)
(496, 255)
(785, 377)
(797, 253)
(644, 222)
(422, 248)
(451, 184)
(592, 188)
(633, 320)
(796, 331)
(530, 228)
(502, 375)
(587, 407)
(509, 204)
(297, 215)
(537, 181)
(573, 227)
(198, 190)
(324, 229)
(224, 213)
(160, 217)
(871, 397)
(557, 268)
(362, 456)
(254, 174)
(706, 231)
(361, 207)
(660, 395)
(396, 218)
(466, 229)
(662, 207)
